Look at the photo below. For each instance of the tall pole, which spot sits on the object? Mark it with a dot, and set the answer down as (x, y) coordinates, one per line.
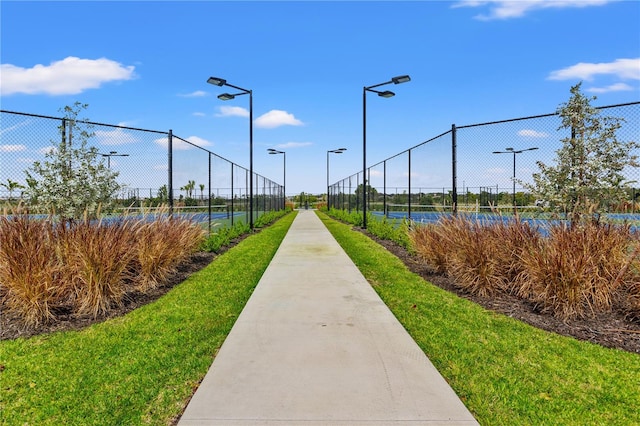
(216, 81)
(514, 152)
(332, 151)
(515, 209)
(384, 94)
(364, 158)
(251, 159)
(328, 206)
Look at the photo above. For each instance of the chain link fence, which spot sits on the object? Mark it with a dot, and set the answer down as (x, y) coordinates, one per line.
(474, 168)
(155, 169)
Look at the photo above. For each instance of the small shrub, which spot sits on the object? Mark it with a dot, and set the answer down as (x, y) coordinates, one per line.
(224, 236)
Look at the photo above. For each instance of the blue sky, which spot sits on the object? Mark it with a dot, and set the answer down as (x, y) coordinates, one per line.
(145, 64)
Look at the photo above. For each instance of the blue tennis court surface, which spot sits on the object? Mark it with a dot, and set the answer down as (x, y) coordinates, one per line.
(433, 217)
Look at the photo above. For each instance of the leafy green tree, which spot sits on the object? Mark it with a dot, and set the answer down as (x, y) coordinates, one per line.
(588, 173)
(11, 186)
(72, 181)
(163, 193)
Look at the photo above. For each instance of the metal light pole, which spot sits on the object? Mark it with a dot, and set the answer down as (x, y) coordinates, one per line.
(284, 174)
(512, 151)
(332, 151)
(384, 94)
(228, 96)
(112, 154)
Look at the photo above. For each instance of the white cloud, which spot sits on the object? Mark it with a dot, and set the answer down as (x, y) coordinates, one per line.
(277, 118)
(69, 76)
(183, 146)
(628, 69)
(116, 136)
(517, 9)
(199, 141)
(532, 133)
(196, 94)
(293, 145)
(12, 148)
(618, 87)
(227, 111)
(199, 114)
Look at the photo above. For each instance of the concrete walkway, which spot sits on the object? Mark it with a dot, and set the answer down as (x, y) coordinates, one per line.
(315, 345)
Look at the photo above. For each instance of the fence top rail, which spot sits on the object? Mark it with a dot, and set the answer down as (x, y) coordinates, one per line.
(86, 122)
(537, 116)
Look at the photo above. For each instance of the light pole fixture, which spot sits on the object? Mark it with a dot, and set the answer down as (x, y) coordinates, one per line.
(216, 81)
(284, 174)
(514, 152)
(112, 154)
(383, 94)
(331, 151)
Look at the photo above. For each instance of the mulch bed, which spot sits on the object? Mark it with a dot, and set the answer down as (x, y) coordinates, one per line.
(612, 329)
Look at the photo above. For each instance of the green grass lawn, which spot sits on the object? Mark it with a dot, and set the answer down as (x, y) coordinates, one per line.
(506, 372)
(140, 368)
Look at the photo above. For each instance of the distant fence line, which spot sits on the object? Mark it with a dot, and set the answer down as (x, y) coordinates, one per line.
(154, 166)
(475, 177)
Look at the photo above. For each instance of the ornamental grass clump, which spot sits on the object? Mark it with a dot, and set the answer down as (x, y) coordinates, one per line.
(572, 271)
(85, 268)
(473, 263)
(29, 269)
(161, 245)
(431, 247)
(578, 269)
(97, 262)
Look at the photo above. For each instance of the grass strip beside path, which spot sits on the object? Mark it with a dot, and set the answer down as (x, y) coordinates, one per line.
(140, 368)
(506, 372)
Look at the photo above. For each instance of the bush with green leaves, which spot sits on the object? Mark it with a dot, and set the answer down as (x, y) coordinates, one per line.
(588, 175)
(72, 182)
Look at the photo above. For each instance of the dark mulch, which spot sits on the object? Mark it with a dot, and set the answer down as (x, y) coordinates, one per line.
(611, 329)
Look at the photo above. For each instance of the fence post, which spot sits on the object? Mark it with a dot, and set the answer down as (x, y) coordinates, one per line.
(170, 167)
(209, 193)
(454, 193)
(232, 196)
(384, 188)
(409, 191)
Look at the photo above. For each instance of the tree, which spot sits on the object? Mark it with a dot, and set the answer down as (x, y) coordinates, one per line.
(72, 181)
(163, 193)
(201, 191)
(189, 187)
(588, 174)
(11, 186)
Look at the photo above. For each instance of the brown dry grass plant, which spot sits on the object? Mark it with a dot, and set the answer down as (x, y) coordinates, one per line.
(29, 269)
(86, 267)
(97, 261)
(430, 246)
(574, 271)
(161, 245)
